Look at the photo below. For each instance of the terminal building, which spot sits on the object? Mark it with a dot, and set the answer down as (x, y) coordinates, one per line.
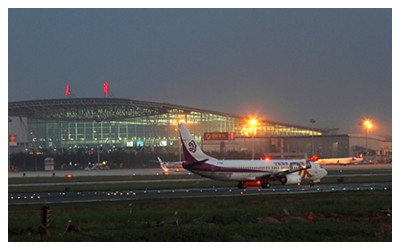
(125, 124)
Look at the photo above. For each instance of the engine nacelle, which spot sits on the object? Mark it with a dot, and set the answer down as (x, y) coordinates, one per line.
(291, 179)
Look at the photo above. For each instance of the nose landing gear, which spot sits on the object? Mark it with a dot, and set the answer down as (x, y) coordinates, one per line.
(265, 184)
(242, 185)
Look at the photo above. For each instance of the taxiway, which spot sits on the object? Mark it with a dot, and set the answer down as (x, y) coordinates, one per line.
(59, 197)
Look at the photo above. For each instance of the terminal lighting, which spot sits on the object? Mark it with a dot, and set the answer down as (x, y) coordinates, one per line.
(253, 122)
(251, 128)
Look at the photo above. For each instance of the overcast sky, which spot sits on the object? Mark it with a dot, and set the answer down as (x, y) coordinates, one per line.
(284, 65)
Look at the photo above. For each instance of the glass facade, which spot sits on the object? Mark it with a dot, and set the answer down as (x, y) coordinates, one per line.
(151, 131)
(128, 124)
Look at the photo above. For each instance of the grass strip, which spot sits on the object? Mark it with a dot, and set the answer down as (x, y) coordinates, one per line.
(338, 216)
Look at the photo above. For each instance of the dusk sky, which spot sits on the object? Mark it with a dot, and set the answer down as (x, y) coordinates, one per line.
(283, 65)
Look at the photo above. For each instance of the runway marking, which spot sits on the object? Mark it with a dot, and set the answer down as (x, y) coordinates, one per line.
(105, 182)
(59, 197)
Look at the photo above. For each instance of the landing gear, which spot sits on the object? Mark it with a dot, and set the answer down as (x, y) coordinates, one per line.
(241, 185)
(283, 179)
(311, 183)
(266, 184)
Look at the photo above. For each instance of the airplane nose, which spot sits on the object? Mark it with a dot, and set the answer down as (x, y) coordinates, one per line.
(325, 172)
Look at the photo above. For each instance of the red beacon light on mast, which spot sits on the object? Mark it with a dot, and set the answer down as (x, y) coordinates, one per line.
(105, 88)
(67, 90)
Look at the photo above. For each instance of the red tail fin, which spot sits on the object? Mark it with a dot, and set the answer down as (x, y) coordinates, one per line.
(314, 157)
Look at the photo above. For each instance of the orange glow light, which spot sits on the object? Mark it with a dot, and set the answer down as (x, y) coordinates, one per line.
(69, 176)
(251, 128)
(253, 122)
(181, 121)
(367, 124)
(266, 159)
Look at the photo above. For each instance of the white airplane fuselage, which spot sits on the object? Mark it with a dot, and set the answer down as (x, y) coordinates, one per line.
(286, 171)
(339, 161)
(250, 170)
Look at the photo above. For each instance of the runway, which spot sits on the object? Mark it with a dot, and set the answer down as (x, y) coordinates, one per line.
(106, 182)
(157, 171)
(60, 197)
(76, 173)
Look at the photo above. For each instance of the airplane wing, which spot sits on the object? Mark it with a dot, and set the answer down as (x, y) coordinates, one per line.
(196, 163)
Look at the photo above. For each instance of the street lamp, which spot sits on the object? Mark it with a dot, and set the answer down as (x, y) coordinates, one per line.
(312, 121)
(250, 130)
(98, 148)
(180, 121)
(253, 129)
(367, 125)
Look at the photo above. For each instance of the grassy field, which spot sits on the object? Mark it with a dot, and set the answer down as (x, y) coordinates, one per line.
(337, 216)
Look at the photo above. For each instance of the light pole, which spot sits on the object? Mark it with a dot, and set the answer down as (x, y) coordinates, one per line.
(98, 148)
(9, 121)
(312, 121)
(367, 125)
(253, 124)
(180, 121)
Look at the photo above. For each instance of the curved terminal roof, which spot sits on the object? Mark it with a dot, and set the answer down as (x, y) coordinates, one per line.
(100, 109)
(90, 109)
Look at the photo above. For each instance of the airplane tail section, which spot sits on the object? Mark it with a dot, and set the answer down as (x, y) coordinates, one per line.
(191, 149)
(314, 157)
(162, 165)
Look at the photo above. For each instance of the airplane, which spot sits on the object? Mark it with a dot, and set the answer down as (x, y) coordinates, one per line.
(338, 161)
(176, 166)
(246, 172)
